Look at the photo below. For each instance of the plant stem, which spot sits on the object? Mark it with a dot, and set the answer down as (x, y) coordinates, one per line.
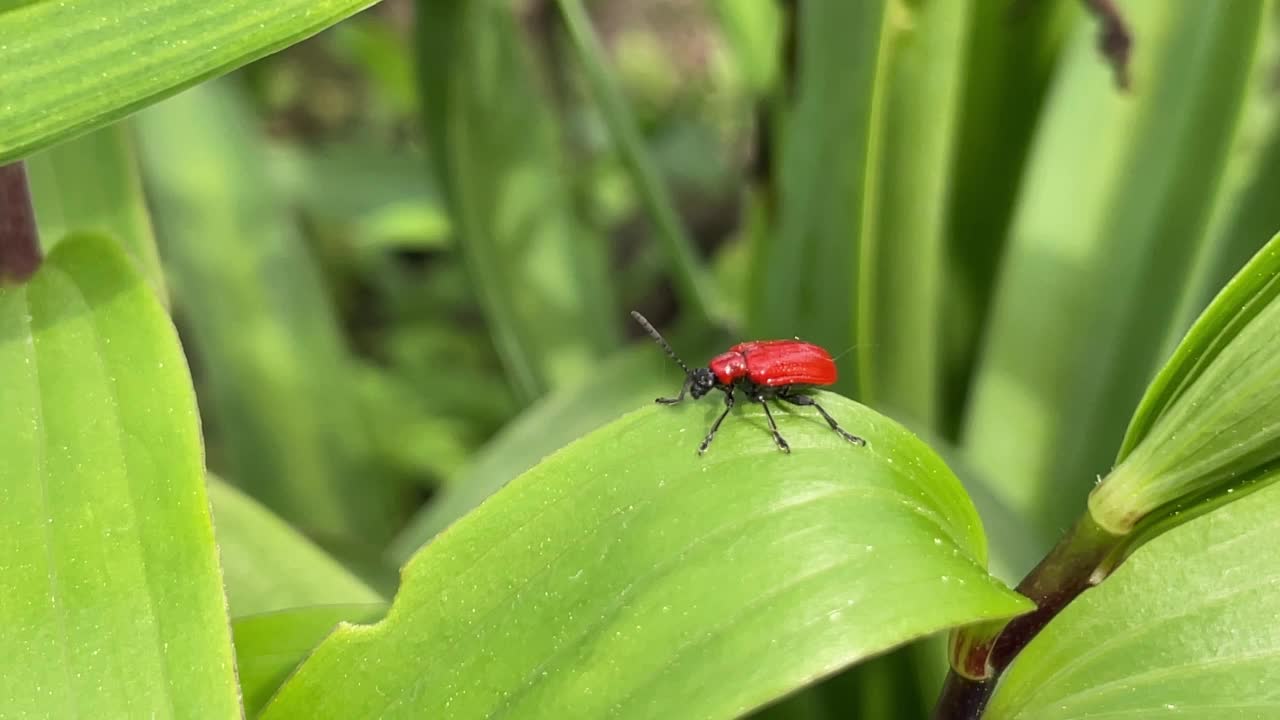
(1075, 564)
(19, 243)
(690, 278)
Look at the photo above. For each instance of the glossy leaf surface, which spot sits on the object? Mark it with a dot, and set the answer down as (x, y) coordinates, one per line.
(625, 575)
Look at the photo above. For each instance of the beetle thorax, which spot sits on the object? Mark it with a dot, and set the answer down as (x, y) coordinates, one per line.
(728, 367)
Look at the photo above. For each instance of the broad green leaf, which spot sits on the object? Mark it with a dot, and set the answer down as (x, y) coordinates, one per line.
(270, 566)
(1116, 201)
(688, 274)
(805, 273)
(113, 603)
(538, 272)
(627, 379)
(277, 393)
(271, 645)
(627, 575)
(1209, 420)
(1186, 627)
(907, 246)
(92, 184)
(75, 65)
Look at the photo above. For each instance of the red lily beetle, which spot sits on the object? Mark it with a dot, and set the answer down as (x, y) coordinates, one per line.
(764, 370)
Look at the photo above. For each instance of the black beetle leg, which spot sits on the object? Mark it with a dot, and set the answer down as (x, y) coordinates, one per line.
(805, 400)
(728, 405)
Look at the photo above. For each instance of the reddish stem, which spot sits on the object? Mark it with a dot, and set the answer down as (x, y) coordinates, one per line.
(19, 244)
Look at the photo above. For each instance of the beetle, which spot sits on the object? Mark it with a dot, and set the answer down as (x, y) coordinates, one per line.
(764, 370)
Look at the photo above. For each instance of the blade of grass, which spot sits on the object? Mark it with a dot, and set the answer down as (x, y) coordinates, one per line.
(906, 249)
(692, 284)
(539, 275)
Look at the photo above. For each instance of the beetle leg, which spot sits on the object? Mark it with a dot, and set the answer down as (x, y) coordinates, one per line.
(777, 436)
(728, 405)
(672, 401)
(805, 400)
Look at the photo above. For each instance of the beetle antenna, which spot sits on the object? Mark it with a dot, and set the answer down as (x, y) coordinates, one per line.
(657, 337)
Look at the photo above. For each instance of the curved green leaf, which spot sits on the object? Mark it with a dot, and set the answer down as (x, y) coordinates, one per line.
(1209, 420)
(627, 575)
(270, 566)
(270, 646)
(75, 65)
(112, 600)
(1185, 628)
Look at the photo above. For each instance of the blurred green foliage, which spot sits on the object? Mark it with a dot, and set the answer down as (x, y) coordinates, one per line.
(400, 256)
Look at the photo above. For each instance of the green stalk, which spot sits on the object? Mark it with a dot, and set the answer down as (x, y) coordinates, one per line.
(690, 278)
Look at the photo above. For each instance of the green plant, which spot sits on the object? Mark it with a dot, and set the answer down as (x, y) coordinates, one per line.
(391, 264)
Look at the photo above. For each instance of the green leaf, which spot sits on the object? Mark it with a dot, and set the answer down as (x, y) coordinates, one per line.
(1184, 628)
(92, 184)
(1209, 420)
(1094, 269)
(270, 646)
(1010, 61)
(538, 272)
(1245, 213)
(284, 415)
(627, 575)
(629, 378)
(77, 65)
(113, 604)
(805, 273)
(270, 566)
(907, 246)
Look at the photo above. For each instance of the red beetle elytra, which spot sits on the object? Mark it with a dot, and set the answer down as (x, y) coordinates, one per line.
(764, 370)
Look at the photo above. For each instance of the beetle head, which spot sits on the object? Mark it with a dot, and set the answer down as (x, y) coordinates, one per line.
(701, 382)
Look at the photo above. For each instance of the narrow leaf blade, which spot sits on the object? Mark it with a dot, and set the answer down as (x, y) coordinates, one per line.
(77, 65)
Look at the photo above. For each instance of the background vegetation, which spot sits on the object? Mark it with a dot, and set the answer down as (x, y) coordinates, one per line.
(399, 258)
